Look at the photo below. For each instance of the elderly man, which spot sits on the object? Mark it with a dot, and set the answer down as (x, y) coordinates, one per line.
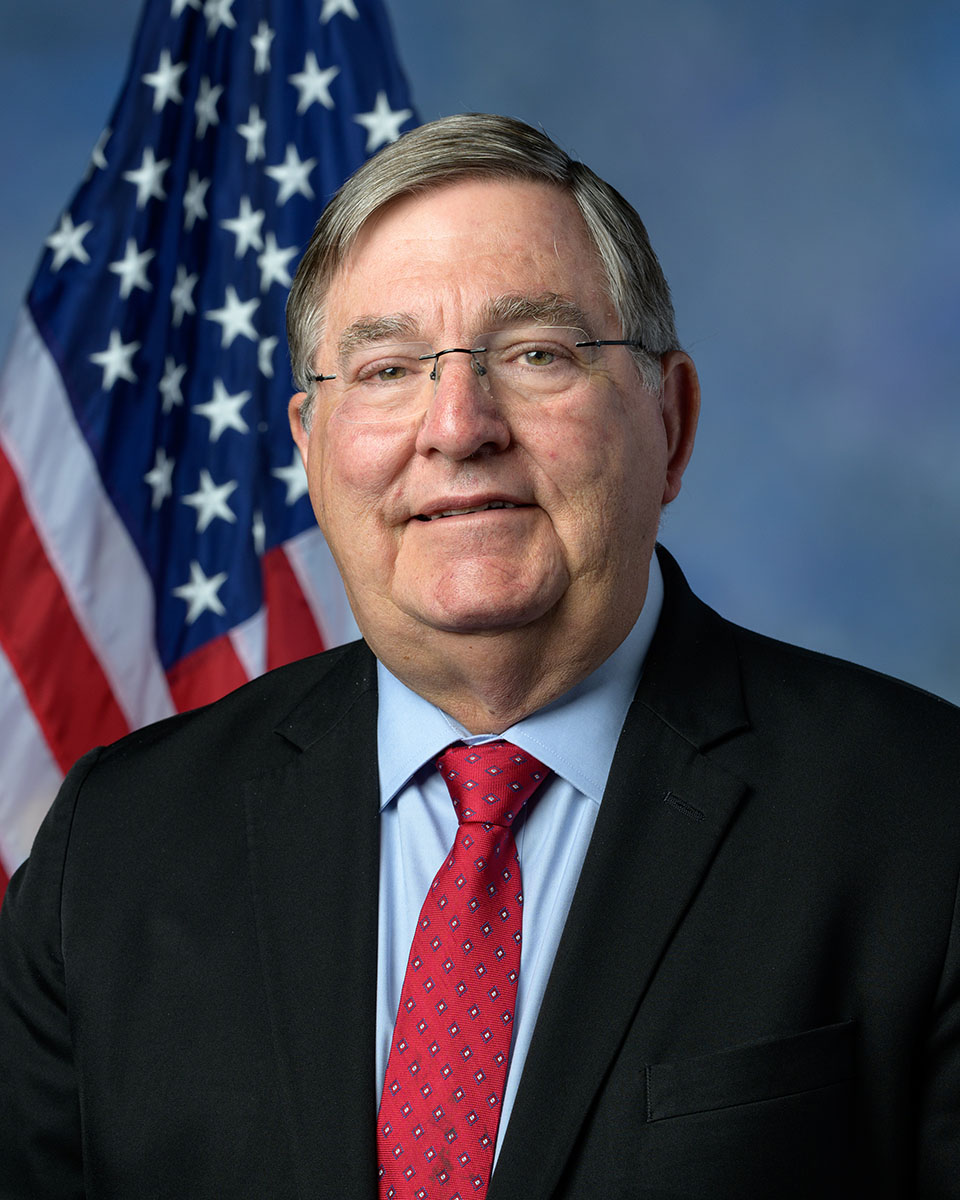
(556, 885)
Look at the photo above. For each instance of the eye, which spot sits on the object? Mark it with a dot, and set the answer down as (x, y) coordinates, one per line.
(539, 356)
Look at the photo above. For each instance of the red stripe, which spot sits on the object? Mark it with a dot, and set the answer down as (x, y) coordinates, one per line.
(58, 671)
(4, 880)
(206, 674)
(292, 632)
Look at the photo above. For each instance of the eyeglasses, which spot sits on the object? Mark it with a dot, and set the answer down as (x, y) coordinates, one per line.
(394, 381)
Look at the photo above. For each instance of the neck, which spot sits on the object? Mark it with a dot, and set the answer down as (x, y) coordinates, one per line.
(488, 682)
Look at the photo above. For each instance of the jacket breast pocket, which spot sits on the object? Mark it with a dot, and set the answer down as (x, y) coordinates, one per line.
(768, 1069)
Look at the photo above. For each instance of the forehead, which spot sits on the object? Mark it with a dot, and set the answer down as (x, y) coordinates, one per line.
(443, 258)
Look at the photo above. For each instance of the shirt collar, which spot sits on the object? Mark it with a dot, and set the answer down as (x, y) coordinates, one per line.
(576, 735)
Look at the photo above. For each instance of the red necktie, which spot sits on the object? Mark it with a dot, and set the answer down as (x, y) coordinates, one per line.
(443, 1090)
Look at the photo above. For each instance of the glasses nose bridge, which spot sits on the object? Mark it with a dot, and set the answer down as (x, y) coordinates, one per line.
(478, 368)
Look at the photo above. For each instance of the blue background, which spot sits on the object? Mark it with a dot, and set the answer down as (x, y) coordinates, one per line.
(797, 167)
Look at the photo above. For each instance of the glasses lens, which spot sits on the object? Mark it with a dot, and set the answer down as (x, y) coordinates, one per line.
(383, 382)
(538, 360)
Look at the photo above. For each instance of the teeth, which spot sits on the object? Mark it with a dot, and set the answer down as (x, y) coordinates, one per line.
(459, 512)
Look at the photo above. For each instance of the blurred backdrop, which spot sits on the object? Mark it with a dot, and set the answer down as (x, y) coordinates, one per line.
(797, 167)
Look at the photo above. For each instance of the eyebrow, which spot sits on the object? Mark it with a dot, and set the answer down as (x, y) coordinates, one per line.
(501, 312)
(367, 331)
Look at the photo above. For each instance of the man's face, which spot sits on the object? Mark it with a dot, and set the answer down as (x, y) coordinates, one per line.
(585, 473)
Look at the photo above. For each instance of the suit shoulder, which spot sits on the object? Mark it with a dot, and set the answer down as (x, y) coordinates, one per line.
(247, 717)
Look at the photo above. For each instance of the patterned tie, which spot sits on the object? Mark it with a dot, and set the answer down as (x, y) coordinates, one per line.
(443, 1090)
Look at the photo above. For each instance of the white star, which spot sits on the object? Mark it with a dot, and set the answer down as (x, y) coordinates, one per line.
(245, 227)
(201, 593)
(97, 157)
(382, 125)
(115, 360)
(132, 269)
(313, 84)
(235, 318)
(194, 206)
(170, 383)
(181, 295)
(160, 478)
(67, 242)
(259, 531)
(177, 6)
(211, 501)
(218, 13)
(294, 476)
(292, 175)
(206, 106)
(148, 177)
(165, 81)
(223, 411)
(332, 7)
(265, 355)
(273, 264)
(253, 134)
(261, 44)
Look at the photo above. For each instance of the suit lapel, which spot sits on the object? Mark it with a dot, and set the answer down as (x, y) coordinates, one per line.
(314, 852)
(664, 814)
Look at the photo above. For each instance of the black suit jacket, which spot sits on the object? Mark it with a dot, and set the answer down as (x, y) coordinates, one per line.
(757, 993)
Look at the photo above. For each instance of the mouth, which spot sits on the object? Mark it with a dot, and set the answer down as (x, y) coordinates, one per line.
(462, 512)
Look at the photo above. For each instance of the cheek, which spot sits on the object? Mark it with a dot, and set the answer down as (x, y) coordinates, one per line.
(352, 468)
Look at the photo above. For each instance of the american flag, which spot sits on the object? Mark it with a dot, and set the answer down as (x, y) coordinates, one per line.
(157, 546)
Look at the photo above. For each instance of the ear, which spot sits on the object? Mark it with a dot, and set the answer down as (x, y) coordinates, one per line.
(299, 434)
(681, 410)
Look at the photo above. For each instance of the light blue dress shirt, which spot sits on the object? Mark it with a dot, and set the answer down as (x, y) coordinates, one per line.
(576, 737)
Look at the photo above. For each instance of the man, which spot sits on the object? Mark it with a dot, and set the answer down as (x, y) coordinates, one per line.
(740, 970)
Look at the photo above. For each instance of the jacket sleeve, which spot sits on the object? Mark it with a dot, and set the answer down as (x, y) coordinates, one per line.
(938, 1169)
(40, 1117)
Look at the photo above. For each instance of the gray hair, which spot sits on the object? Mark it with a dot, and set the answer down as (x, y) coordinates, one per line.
(473, 145)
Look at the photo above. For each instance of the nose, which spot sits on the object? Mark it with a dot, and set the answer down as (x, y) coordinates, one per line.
(463, 417)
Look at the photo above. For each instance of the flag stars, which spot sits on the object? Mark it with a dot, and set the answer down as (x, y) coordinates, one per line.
(235, 318)
(160, 478)
(273, 264)
(165, 81)
(116, 360)
(67, 242)
(194, 200)
(148, 178)
(258, 531)
(218, 13)
(382, 124)
(332, 7)
(177, 6)
(253, 131)
(201, 593)
(132, 269)
(223, 411)
(265, 351)
(260, 42)
(313, 84)
(181, 295)
(97, 157)
(169, 385)
(245, 227)
(205, 108)
(294, 477)
(292, 175)
(210, 501)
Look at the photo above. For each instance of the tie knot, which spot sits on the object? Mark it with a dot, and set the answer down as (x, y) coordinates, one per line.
(490, 783)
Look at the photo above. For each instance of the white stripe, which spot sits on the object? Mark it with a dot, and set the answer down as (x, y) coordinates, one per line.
(316, 572)
(249, 640)
(30, 777)
(98, 565)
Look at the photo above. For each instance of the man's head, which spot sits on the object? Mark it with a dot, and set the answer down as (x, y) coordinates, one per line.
(484, 146)
(564, 470)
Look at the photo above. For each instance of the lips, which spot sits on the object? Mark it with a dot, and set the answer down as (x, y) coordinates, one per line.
(472, 508)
